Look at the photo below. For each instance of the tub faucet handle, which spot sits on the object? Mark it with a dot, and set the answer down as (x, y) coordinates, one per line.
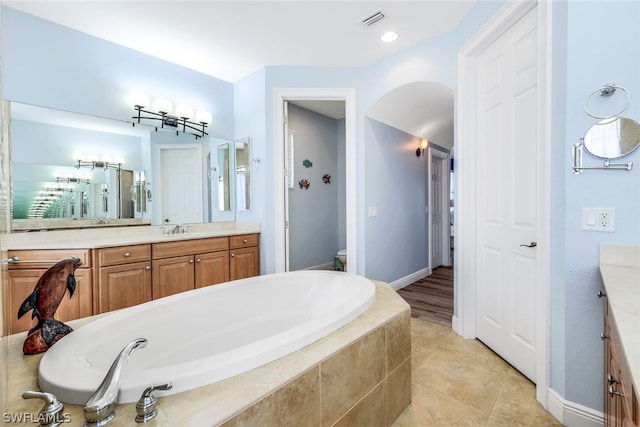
(146, 406)
(51, 412)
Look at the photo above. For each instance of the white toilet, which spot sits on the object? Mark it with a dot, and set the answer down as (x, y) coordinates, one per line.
(340, 260)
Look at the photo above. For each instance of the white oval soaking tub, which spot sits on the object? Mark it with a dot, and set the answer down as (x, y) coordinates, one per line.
(206, 335)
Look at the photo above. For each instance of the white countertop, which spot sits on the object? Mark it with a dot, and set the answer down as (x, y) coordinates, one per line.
(620, 270)
(120, 236)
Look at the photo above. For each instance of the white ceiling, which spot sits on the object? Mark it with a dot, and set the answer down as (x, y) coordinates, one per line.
(231, 39)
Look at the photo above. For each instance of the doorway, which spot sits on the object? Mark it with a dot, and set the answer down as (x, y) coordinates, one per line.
(438, 184)
(180, 193)
(280, 130)
(314, 194)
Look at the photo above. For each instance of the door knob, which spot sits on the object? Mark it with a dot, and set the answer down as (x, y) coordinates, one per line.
(530, 245)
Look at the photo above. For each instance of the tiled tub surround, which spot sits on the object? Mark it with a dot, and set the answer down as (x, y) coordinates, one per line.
(359, 375)
(620, 271)
(120, 236)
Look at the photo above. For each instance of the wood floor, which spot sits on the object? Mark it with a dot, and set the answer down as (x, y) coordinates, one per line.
(431, 298)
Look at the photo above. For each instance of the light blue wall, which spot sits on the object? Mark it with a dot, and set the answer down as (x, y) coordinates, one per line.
(602, 46)
(249, 111)
(398, 237)
(50, 65)
(313, 213)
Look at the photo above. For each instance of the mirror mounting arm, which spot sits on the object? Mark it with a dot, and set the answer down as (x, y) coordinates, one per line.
(577, 167)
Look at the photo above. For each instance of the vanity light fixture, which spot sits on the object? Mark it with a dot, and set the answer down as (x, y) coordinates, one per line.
(423, 144)
(104, 163)
(168, 120)
(72, 180)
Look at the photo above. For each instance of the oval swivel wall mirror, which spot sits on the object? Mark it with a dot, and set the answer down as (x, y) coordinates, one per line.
(612, 139)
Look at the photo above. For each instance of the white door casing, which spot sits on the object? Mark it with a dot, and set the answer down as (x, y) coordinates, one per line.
(320, 94)
(180, 183)
(468, 243)
(438, 185)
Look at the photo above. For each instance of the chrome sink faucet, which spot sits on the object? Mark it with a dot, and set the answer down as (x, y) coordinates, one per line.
(176, 229)
(98, 410)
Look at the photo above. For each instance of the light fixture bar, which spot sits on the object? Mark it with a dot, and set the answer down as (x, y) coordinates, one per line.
(181, 124)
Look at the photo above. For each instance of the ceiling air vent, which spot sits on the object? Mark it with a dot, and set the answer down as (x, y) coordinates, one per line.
(372, 19)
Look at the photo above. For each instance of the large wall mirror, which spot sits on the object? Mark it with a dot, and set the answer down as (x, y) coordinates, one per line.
(69, 167)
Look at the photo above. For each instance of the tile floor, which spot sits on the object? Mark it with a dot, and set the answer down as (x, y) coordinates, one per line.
(458, 382)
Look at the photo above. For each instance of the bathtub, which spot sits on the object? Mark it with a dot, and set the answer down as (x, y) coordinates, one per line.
(206, 335)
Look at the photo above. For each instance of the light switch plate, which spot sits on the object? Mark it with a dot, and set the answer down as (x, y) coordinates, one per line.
(599, 219)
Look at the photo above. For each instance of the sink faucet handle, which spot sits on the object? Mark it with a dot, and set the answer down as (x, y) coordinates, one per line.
(185, 229)
(146, 406)
(51, 412)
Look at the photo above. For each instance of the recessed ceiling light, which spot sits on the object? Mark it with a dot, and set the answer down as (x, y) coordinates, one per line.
(389, 37)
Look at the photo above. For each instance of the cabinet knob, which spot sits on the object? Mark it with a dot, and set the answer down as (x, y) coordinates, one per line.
(232, 255)
(127, 254)
(198, 260)
(148, 267)
(603, 337)
(244, 241)
(191, 261)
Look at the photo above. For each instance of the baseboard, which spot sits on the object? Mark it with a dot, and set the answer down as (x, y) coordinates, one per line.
(455, 325)
(407, 280)
(572, 414)
(327, 266)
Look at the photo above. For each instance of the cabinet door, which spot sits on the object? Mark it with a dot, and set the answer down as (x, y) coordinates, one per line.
(172, 276)
(212, 268)
(81, 304)
(123, 286)
(22, 284)
(244, 263)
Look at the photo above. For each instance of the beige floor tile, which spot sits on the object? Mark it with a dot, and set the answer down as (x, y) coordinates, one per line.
(458, 382)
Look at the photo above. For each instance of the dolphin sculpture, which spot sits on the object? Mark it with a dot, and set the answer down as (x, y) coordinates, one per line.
(43, 303)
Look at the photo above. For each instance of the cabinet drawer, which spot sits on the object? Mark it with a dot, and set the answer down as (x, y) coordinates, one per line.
(123, 255)
(189, 247)
(243, 241)
(45, 258)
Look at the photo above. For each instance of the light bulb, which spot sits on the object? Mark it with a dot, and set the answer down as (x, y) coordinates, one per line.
(140, 99)
(204, 117)
(164, 106)
(184, 112)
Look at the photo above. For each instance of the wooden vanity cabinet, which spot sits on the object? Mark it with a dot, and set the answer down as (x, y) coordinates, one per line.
(621, 399)
(124, 277)
(22, 279)
(244, 256)
(184, 265)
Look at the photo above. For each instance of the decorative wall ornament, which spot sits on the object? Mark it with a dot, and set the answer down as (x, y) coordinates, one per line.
(44, 301)
(304, 184)
(307, 163)
(326, 178)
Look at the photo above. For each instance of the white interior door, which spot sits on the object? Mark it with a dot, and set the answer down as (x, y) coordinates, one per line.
(506, 211)
(439, 210)
(181, 184)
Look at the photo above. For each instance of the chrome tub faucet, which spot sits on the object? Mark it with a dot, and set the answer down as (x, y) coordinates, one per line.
(99, 409)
